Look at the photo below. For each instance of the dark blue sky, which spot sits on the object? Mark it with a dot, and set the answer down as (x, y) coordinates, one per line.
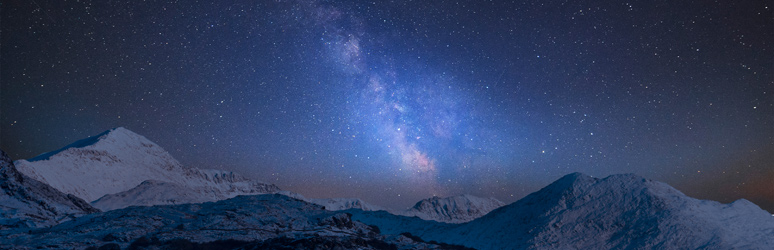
(396, 101)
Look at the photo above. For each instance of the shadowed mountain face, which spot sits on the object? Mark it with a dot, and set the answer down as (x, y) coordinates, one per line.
(25, 202)
(620, 211)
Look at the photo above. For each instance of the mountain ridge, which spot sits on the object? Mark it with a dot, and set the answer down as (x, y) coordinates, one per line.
(117, 179)
(254, 220)
(453, 209)
(581, 212)
(119, 160)
(576, 211)
(77, 144)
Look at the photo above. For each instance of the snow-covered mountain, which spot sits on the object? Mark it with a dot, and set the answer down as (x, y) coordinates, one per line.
(335, 204)
(454, 209)
(119, 160)
(223, 185)
(125, 169)
(575, 212)
(252, 222)
(581, 212)
(25, 202)
(119, 168)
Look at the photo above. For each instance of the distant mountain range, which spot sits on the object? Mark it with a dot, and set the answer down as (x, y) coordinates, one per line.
(152, 201)
(454, 209)
(119, 168)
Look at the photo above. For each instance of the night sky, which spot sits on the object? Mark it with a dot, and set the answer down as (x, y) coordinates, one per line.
(396, 101)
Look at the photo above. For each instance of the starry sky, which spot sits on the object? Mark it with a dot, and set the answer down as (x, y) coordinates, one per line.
(396, 101)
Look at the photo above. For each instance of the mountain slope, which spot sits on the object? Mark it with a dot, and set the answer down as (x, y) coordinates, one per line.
(149, 193)
(581, 212)
(25, 202)
(262, 220)
(119, 160)
(455, 209)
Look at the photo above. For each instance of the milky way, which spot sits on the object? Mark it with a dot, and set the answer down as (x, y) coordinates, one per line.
(397, 101)
(417, 115)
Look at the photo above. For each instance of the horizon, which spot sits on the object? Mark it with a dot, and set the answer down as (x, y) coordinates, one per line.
(396, 102)
(392, 209)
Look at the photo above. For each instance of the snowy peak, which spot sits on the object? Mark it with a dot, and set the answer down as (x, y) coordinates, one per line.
(581, 212)
(99, 146)
(616, 192)
(119, 160)
(577, 189)
(620, 211)
(455, 209)
(25, 202)
(111, 162)
(78, 144)
(568, 183)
